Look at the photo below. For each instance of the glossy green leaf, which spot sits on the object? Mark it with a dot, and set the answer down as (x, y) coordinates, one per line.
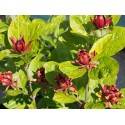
(53, 24)
(78, 24)
(3, 27)
(100, 32)
(122, 100)
(36, 91)
(100, 45)
(36, 63)
(117, 41)
(2, 39)
(4, 53)
(74, 42)
(93, 89)
(23, 79)
(71, 70)
(14, 92)
(51, 71)
(107, 69)
(80, 83)
(115, 19)
(110, 44)
(32, 105)
(62, 98)
(20, 26)
(42, 104)
(15, 104)
(98, 106)
(63, 52)
(88, 105)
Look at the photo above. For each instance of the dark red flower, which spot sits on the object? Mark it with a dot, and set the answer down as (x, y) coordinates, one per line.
(41, 74)
(100, 21)
(19, 45)
(6, 80)
(65, 84)
(84, 60)
(110, 94)
(41, 78)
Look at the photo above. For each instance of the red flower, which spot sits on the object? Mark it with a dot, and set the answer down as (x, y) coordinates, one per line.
(100, 21)
(41, 78)
(64, 84)
(19, 45)
(84, 60)
(6, 80)
(41, 74)
(110, 94)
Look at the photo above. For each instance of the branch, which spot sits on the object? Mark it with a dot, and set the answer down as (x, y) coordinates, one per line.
(86, 89)
(30, 86)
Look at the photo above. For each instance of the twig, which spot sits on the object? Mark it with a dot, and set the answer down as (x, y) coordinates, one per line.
(86, 89)
(30, 86)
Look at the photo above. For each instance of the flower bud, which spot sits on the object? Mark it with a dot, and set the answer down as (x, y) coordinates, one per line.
(83, 57)
(100, 21)
(19, 45)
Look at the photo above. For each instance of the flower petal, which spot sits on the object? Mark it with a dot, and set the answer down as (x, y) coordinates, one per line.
(27, 45)
(13, 40)
(108, 21)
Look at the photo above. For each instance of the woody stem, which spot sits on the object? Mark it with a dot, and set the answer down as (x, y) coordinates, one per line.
(30, 86)
(86, 89)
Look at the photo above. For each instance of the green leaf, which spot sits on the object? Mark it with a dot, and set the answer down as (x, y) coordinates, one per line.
(63, 27)
(20, 26)
(78, 24)
(122, 100)
(32, 105)
(98, 106)
(93, 89)
(36, 63)
(107, 69)
(115, 19)
(80, 83)
(23, 79)
(53, 24)
(117, 41)
(3, 27)
(88, 105)
(109, 45)
(49, 93)
(62, 98)
(36, 91)
(71, 70)
(63, 52)
(14, 92)
(4, 53)
(51, 71)
(100, 32)
(42, 104)
(101, 44)
(2, 39)
(74, 42)
(15, 104)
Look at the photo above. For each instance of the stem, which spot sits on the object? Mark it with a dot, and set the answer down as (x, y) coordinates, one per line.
(30, 86)
(86, 89)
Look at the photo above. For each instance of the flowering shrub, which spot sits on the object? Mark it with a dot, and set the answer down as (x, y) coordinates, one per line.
(61, 63)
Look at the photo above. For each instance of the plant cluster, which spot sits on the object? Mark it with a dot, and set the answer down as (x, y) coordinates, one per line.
(61, 63)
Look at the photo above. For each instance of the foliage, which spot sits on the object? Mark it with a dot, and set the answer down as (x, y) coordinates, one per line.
(35, 52)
